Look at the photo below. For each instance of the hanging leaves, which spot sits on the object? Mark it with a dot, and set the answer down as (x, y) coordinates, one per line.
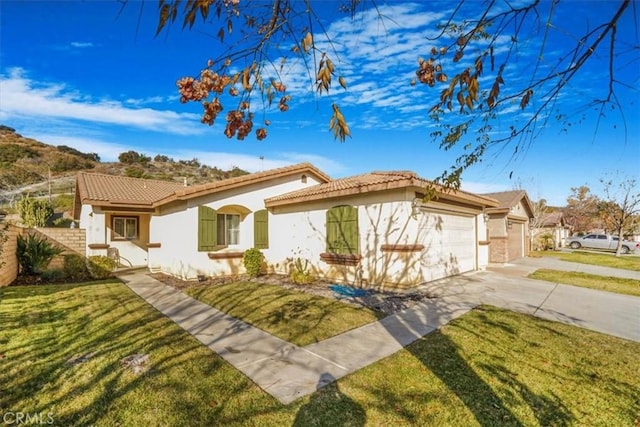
(525, 99)
(325, 71)
(338, 124)
(307, 43)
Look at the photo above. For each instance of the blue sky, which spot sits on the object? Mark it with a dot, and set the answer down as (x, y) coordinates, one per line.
(84, 75)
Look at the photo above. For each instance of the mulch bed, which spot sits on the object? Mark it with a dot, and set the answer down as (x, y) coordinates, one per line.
(386, 302)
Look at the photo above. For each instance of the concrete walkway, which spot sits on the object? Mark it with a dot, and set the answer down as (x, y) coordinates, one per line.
(288, 372)
(528, 265)
(280, 368)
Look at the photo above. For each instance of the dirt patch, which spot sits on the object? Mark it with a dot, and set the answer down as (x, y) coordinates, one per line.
(386, 302)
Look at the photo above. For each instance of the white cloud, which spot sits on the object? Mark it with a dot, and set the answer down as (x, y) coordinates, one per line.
(22, 97)
(81, 44)
(108, 151)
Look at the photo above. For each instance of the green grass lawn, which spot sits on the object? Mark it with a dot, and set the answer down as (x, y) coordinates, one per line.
(627, 262)
(296, 317)
(489, 367)
(593, 281)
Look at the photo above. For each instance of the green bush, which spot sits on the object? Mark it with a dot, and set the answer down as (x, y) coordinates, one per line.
(53, 275)
(63, 202)
(252, 261)
(34, 212)
(300, 274)
(34, 253)
(101, 266)
(75, 267)
(62, 222)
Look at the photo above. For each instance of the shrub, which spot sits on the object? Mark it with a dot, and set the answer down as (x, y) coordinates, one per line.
(34, 253)
(63, 202)
(75, 267)
(34, 212)
(300, 274)
(252, 261)
(54, 275)
(101, 266)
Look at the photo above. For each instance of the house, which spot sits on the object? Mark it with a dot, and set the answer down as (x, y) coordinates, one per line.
(551, 231)
(508, 225)
(372, 229)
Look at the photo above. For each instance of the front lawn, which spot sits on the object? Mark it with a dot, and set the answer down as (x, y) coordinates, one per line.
(489, 367)
(593, 281)
(296, 317)
(626, 262)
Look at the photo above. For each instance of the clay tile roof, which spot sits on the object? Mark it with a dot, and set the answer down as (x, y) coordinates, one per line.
(507, 199)
(551, 219)
(210, 187)
(109, 190)
(364, 183)
(121, 190)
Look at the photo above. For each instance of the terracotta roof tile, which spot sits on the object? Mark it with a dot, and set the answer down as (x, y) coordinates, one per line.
(107, 190)
(507, 199)
(210, 187)
(113, 189)
(373, 181)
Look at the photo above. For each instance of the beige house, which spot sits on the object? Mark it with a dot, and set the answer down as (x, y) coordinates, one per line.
(508, 225)
(551, 231)
(371, 229)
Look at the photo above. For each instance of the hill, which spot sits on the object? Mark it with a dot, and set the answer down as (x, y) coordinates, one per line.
(31, 166)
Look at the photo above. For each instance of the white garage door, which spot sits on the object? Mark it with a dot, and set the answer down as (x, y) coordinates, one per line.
(449, 245)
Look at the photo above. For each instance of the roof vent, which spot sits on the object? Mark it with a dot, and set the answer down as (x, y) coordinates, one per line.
(184, 181)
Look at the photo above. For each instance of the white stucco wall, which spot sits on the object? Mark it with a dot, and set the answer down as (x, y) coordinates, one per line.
(98, 231)
(176, 229)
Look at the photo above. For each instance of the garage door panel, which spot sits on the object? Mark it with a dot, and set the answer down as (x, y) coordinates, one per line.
(450, 246)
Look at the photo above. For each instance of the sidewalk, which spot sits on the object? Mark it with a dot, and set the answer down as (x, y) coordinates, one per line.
(289, 372)
(528, 265)
(280, 368)
(508, 288)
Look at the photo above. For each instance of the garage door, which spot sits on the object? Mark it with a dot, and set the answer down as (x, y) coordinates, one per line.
(515, 241)
(449, 245)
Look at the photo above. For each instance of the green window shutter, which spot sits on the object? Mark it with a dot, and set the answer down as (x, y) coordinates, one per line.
(261, 229)
(207, 228)
(349, 228)
(342, 230)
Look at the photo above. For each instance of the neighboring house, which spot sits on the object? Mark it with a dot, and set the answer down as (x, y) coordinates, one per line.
(509, 225)
(551, 231)
(370, 229)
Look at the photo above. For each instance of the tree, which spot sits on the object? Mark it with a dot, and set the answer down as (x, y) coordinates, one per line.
(582, 209)
(468, 61)
(131, 157)
(540, 209)
(34, 212)
(620, 207)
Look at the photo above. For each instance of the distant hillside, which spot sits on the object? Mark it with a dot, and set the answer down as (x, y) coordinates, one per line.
(25, 164)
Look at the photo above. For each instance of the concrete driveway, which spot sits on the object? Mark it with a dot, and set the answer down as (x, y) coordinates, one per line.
(507, 287)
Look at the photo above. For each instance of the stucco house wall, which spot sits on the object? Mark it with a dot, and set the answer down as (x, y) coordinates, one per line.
(176, 229)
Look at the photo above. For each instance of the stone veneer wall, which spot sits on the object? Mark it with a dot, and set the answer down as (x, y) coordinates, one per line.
(499, 250)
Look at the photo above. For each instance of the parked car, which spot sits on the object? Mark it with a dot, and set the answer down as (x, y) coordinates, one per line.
(605, 242)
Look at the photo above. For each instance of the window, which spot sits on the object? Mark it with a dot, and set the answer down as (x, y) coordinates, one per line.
(124, 228)
(303, 179)
(216, 230)
(228, 229)
(342, 230)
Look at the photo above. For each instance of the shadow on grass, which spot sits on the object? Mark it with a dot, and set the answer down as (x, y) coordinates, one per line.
(105, 324)
(330, 406)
